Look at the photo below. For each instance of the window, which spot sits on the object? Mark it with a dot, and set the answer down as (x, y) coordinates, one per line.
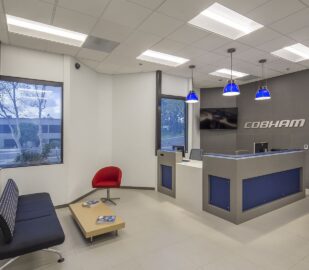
(30, 122)
(173, 123)
(54, 129)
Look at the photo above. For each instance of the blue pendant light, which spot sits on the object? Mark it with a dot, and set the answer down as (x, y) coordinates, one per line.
(231, 89)
(262, 93)
(192, 96)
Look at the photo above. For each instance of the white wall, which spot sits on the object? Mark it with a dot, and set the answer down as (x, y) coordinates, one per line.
(90, 146)
(134, 114)
(87, 109)
(107, 120)
(134, 124)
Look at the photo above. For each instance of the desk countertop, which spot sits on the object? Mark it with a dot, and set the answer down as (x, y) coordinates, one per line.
(192, 163)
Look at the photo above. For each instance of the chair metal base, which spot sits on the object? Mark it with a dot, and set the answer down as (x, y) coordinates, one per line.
(108, 198)
(60, 260)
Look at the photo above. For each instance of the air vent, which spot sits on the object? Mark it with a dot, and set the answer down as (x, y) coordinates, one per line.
(100, 44)
(248, 78)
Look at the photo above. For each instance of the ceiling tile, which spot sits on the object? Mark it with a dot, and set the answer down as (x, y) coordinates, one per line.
(112, 31)
(62, 49)
(49, 1)
(274, 10)
(141, 41)
(184, 10)
(89, 63)
(126, 13)
(240, 47)
(293, 22)
(89, 7)
(91, 54)
(284, 66)
(254, 56)
(242, 7)
(276, 44)
(28, 42)
(107, 68)
(300, 35)
(211, 42)
(160, 25)
(151, 4)
(73, 20)
(168, 46)
(188, 34)
(30, 9)
(190, 52)
(259, 37)
(206, 59)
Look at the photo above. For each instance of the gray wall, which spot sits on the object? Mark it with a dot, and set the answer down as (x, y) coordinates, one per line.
(217, 141)
(290, 100)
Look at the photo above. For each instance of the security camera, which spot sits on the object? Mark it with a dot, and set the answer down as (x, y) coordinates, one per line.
(77, 65)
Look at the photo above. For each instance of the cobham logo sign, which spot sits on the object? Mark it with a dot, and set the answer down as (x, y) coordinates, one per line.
(295, 123)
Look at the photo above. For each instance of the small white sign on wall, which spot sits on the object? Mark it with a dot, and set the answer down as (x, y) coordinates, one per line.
(294, 123)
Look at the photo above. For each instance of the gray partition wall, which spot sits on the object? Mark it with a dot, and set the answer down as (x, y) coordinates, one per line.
(290, 100)
(166, 182)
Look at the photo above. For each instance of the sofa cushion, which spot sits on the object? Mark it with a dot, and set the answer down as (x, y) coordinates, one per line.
(8, 208)
(32, 235)
(34, 206)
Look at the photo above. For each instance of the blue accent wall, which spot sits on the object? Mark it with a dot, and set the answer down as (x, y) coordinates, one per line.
(219, 192)
(166, 174)
(267, 188)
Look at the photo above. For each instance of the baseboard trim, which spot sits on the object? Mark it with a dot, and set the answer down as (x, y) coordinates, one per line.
(132, 187)
(94, 190)
(76, 200)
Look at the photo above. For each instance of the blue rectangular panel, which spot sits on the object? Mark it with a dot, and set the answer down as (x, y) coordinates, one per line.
(219, 192)
(166, 174)
(267, 188)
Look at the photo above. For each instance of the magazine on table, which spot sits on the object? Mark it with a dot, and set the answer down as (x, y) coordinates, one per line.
(90, 203)
(105, 219)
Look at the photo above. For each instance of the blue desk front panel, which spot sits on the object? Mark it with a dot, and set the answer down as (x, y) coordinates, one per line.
(219, 192)
(267, 188)
(166, 174)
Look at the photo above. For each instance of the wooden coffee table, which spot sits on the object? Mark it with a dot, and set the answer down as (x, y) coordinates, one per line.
(86, 219)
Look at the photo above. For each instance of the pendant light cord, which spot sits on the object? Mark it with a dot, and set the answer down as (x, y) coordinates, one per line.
(231, 67)
(192, 78)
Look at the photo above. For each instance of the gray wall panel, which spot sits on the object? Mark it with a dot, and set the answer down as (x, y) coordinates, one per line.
(218, 141)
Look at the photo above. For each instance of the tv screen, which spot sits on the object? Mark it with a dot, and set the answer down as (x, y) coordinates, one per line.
(218, 118)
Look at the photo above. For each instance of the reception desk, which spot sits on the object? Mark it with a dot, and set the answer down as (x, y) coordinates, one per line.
(234, 187)
(241, 187)
(189, 184)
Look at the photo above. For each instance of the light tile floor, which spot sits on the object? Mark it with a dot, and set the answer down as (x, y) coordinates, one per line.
(160, 234)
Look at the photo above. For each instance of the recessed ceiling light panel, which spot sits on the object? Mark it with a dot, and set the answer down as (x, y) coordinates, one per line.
(226, 73)
(225, 22)
(162, 58)
(35, 29)
(295, 53)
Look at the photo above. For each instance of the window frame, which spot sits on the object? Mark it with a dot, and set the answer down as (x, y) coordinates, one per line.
(50, 83)
(159, 139)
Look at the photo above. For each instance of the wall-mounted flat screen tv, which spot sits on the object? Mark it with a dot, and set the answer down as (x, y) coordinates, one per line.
(218, 118)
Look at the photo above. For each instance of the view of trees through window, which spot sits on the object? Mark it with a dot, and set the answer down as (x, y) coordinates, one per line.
(30, 122)
(173, 123)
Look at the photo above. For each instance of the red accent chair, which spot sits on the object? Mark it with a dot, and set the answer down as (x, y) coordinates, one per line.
(108, 177)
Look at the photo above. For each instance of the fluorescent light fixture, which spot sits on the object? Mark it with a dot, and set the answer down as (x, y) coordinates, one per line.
(162, 58)
(226, 73)
(295, 53)
(225, 22)
(44, 31)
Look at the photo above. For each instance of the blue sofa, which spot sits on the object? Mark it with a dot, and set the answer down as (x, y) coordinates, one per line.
(28, 223)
